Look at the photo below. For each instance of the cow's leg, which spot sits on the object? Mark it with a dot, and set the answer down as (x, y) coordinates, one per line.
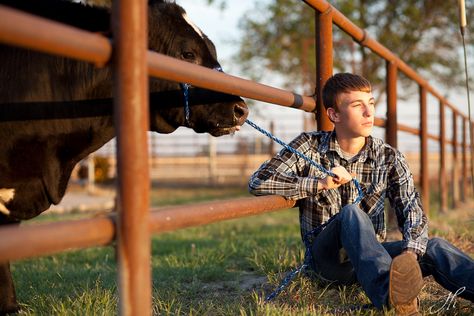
(8, 303)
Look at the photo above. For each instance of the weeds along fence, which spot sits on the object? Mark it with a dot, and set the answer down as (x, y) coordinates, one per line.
(130, 227)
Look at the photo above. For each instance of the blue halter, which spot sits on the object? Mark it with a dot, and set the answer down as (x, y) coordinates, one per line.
(185, 89)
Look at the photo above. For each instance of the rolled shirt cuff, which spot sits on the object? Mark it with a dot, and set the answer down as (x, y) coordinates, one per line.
(309, 185)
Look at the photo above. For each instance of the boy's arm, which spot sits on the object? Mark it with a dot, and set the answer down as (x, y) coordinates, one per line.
(286, 174)
(277, 177)
(406, 202)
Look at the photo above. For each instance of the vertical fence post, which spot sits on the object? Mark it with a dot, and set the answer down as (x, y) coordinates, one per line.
(391, 126)
(392, 122)
(424, 173)
(271, 146)
(91, 173)
(454, 178)
(464, 173)
(471, 157)
(443, 194)
(212, 156)
(131, 122)
(324, 63)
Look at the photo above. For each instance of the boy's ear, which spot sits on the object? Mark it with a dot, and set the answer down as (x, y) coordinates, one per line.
(333, 115)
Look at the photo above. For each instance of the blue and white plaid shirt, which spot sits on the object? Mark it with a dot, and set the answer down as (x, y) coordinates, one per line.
(381, 170)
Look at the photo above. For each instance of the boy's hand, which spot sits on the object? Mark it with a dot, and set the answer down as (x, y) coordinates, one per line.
(342, 177)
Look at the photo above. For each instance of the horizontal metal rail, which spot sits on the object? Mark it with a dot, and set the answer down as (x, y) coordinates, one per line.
(19, 242)
(176, 70)
(22, 29)
(28, 31)
(380, 122)
(360, 36)
(43, 239)
(176, 217)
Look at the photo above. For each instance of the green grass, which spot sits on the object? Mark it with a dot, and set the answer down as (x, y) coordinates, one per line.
(220, 269)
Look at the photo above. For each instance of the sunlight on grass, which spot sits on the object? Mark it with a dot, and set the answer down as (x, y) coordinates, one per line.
(226, 268)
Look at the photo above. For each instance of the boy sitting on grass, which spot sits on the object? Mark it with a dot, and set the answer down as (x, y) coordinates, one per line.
(351, 248)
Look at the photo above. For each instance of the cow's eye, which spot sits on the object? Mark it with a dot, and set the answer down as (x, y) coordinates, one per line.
(188, 55)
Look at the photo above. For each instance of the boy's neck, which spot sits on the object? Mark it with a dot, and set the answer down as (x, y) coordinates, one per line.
(350, 145)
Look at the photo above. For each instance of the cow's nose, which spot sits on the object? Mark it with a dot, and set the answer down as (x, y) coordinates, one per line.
(241, 112)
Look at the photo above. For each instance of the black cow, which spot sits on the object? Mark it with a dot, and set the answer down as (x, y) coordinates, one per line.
(55, 111)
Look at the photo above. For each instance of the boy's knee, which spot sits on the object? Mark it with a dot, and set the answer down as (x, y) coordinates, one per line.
(351, 210)
(352, 214)
(436, 243)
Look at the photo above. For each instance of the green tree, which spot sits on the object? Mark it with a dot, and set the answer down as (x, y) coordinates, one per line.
(279, 36)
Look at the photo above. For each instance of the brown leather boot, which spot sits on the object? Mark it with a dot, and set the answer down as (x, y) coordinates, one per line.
(406, 282)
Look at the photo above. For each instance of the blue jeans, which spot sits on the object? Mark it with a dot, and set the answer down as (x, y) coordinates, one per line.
(347, 251)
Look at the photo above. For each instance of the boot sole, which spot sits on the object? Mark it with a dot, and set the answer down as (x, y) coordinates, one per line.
(406, 279)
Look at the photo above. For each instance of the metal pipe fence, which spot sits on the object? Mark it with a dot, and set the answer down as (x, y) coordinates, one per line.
(17, 28)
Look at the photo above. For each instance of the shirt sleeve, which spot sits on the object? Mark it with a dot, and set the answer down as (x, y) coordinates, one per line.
(285, 174)
(406, 202)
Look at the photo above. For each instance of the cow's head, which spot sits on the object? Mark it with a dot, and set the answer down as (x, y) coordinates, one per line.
(174, 34)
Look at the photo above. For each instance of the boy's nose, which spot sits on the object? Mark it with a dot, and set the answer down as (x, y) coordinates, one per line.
(369, 110)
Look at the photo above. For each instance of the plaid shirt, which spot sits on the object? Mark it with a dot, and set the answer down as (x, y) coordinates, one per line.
(381, 170)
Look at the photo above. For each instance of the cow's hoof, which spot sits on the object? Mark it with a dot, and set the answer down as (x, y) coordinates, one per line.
(9, 309)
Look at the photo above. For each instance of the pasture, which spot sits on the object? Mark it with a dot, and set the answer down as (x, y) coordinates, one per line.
(218, 269)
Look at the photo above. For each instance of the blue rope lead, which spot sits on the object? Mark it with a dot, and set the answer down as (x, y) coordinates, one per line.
(296, 152)
(187, 111)
(307, 258)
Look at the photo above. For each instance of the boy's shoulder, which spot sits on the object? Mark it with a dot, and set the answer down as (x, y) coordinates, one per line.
(317, 135)
(382, 151)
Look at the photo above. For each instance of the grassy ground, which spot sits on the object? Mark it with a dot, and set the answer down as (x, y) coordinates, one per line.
(220, 269)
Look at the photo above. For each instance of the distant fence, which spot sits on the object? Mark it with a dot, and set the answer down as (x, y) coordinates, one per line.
(131, 226)
(237, 168)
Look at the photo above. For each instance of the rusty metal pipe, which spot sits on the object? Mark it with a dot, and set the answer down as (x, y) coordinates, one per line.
(464, 173)
(392, 120)
(28, 31)
(455, 169)
(424, 172)
(380, 122)
(169, 68)
(442, 159)
(176, 217)
(324, 64)
(22, 29)
(129, 19)
(50, 238)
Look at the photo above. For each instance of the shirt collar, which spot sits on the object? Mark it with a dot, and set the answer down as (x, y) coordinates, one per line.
(329, 143)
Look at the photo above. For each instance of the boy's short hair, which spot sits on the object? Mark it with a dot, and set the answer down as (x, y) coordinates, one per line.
(340, 83)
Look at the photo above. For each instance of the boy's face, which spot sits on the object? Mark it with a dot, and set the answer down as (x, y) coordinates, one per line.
(355, 115)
